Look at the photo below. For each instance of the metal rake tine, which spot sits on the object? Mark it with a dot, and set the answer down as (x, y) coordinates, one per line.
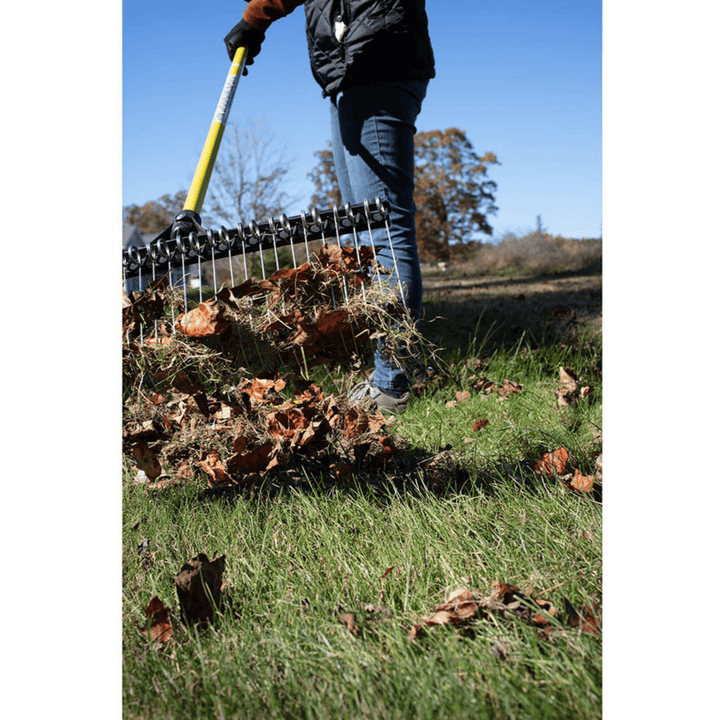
(151, 252)
(255, 228)
(273, 233)
(241, 235)
(320, 225)
(225, 235)
(184, 281)
(211, 241)
(286, 228)
(337, 238)
(366, 207)
(194, 242)
(304, 225)
(395, 267)
(140, 288)
(356, 241)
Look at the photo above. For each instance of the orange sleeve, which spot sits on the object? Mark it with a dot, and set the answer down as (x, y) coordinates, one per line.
(262, 13)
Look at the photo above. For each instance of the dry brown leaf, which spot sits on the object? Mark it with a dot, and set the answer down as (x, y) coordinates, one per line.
(263, 391)
(553, 463)
(348, 620)
(509, 388)
(504, 592)
(186, 383)
(215, 468)
(585, 619)
(253, 461)
(287, 423)
(184, 471)
(387, 445)
(460, 607)
(147, 460)
(479, 425)
(569, 391)
(161, 629)
(377, 422)
(568, 379)
(205, 320)
(387, 572)
(582, 483)
(462, 395)
(198, 587)
(356, 423)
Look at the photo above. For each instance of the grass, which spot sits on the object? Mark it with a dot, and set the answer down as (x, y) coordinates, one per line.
(296, 558)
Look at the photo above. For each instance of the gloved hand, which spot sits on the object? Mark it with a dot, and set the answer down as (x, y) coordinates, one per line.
(244, 35)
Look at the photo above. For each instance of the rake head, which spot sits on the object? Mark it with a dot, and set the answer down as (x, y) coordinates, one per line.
(306, 307)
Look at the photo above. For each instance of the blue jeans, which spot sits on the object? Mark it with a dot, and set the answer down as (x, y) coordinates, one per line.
(372, 131)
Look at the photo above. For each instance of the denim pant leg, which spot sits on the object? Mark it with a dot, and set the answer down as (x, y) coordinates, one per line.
(372, 130)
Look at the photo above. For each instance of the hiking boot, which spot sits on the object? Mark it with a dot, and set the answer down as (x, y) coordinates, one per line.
(384, 403)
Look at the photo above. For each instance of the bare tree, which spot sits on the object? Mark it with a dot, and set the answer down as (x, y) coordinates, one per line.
(248, 178)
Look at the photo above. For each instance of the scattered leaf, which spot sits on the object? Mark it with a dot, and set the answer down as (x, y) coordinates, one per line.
(479, 425)
(553, 463)
(585, 619)
(569, 391)
(509, 387)
(568, 378)
(198, 587)
(161, 629)
(582, 483)
(348, 620)
(374, 609)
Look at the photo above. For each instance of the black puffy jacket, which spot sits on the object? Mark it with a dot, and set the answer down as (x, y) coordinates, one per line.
(355, 42)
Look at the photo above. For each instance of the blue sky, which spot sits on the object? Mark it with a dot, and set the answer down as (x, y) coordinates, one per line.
(521, 77)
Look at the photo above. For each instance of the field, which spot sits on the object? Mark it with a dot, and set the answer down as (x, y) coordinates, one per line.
(460, 577)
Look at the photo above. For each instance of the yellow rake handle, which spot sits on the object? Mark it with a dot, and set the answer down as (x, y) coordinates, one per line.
(196, 194)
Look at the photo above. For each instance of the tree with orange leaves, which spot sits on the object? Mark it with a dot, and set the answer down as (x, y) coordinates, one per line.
(453, 195)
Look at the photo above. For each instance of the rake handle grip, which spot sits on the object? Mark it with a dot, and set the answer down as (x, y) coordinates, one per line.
(198, 188)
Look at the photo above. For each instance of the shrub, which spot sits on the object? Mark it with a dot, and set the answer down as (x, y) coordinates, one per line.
(536, 251)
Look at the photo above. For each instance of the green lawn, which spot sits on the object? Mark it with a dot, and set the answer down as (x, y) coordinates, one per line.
(460, 507)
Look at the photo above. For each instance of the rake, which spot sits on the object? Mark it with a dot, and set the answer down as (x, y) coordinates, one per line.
(172, 254)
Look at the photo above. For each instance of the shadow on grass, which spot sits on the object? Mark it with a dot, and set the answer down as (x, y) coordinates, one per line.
(544, 309)
(416, 474)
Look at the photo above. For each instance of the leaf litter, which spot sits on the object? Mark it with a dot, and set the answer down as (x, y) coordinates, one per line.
(226, 396)
(464, 608)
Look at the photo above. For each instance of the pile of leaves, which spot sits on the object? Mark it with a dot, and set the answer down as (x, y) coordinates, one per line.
(242, 438)
(324, 311)
(226, 396)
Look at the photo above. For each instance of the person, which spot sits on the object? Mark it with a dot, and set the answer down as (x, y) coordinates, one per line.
(373, 61)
